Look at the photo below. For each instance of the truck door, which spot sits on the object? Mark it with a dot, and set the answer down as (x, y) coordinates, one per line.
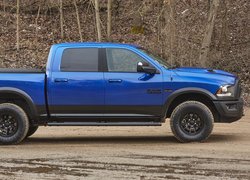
(76, 84)
(128, 92)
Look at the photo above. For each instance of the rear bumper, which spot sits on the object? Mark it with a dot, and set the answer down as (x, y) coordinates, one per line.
(229, 111)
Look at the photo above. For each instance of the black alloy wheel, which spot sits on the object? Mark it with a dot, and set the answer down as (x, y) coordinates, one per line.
(8, 124)
(191, 123)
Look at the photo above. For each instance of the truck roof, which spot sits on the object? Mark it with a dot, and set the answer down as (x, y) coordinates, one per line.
(96, 44)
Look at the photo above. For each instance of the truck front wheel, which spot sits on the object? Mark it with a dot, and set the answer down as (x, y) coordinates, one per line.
(191, 121)
(14, 124)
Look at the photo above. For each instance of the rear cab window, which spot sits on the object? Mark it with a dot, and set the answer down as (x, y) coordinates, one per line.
(80, 60)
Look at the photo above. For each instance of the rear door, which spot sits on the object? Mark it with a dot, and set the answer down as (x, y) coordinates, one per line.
(128, 92)
(76, 86)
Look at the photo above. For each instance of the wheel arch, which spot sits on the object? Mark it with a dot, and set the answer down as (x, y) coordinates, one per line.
(20, 98)
(185, 94)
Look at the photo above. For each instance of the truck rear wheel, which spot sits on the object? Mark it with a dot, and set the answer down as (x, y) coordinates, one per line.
(14, 124)
(191, 121)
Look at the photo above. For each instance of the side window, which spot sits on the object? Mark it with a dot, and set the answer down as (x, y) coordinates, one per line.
(80, 60)
(122, 60)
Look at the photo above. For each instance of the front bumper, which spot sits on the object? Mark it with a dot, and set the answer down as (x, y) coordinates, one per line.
(229, 111)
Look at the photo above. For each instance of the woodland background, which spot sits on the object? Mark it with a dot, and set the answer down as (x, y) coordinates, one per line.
(211, 33)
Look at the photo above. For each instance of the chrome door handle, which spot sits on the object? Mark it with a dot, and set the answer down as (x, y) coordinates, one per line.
(61, 80)
(115, 80)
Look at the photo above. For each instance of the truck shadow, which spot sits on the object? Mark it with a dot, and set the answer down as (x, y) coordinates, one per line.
(215, 138)
(101, 140)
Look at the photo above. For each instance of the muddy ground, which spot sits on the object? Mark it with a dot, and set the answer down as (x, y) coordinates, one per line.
(128, 153)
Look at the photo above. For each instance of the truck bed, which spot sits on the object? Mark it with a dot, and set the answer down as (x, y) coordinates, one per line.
(20, 70)
(30, 82)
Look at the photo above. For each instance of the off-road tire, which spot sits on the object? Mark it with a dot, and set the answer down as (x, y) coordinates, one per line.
(179, 119)
(21, 120)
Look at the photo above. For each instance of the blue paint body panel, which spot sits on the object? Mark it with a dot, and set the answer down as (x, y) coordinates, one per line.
(91, 92)
(31, 83)
(133, 89)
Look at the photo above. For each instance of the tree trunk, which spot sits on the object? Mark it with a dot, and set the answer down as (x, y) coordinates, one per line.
(137, 22)
(109, 18)
(36, 22)
(98, 21)
(61, 18)
(17, 25)
(172, 30)
(205, 47)
(4, 6)
(78, 21)
(223, 40)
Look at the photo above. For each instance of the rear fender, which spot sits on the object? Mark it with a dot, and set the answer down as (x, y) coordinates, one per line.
(23, 95)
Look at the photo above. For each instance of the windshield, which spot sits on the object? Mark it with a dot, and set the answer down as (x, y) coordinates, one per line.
(160, 60)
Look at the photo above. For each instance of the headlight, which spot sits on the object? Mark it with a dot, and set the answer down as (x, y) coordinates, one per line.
(225, 91)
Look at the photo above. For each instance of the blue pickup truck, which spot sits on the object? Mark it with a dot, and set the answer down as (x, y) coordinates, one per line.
(108, 84)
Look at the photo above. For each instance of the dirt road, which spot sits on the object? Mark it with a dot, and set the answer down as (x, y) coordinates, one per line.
(128, 153)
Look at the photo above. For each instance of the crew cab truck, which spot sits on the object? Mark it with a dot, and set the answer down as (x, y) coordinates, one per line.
(108, 84)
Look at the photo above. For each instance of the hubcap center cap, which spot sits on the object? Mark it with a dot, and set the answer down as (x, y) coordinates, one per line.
(191, 123)
(8, 125)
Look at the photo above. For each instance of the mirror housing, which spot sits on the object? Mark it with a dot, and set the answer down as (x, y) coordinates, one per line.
(144, 67)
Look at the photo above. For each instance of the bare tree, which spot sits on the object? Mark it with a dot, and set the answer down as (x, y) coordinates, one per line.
(205, 47)
(109, 18)
(171, 30)
(98, 21)
(61, 18)
(36, 21)
(17, 24)
(78, 21)
(4, 4)
(223, 41)
(137, 22)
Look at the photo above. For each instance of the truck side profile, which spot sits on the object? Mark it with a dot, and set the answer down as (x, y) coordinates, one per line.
(108, 84)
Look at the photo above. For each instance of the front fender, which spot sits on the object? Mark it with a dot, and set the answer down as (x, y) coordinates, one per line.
(183, 91)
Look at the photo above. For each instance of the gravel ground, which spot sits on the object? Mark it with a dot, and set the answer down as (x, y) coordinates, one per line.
(128, 153)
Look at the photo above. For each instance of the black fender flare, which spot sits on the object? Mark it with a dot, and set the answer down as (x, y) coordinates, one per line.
(25, 96)
(182, 91)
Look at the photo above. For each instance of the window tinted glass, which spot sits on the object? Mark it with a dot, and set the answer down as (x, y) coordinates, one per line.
(122, 60)
(81, 59)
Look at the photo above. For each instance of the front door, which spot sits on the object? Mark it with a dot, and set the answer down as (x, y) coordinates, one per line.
(130, 93)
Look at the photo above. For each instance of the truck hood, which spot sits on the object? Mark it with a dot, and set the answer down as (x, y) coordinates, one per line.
(203, 70)
(204, 74)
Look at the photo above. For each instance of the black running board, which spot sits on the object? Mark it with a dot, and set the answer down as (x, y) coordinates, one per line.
(104, 124)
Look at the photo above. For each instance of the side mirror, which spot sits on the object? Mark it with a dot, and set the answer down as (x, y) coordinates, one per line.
(144, 67)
